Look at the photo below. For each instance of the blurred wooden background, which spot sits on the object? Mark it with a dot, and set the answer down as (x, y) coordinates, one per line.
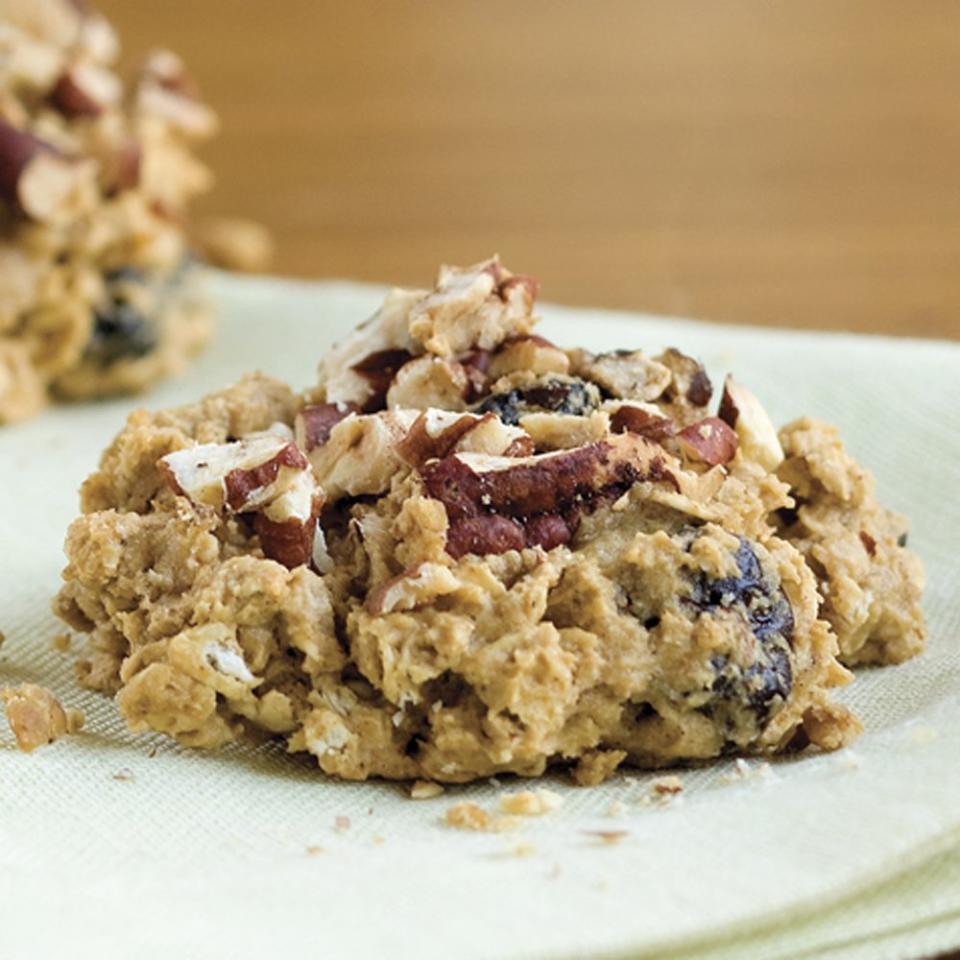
(748, 160)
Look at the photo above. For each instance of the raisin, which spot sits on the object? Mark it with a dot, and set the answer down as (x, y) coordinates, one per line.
(120, 332)
(551, 395)
(902, 540)
(765, 608)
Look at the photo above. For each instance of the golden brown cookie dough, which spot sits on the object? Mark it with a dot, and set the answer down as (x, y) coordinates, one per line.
(466, 551)
(97, 292)
(869, 582)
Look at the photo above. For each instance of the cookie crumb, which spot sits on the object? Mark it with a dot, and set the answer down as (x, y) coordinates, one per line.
(36, 717)
(609, 837)
(530, 803)
(341, 824)
(3, 638)
(616, 809)
(468, 816)
(75, 719)
(742, 772)
(124, 773)
(61, 642)
(378, 840)
(667, 785)
(425, 790)
(313, 850)
(523, 849)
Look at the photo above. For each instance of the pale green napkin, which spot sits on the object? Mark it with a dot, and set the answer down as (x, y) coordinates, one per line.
(108, 851)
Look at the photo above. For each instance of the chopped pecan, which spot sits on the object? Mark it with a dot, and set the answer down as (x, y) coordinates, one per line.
(239, 475)
(245, 484)
(740, 409)
(379, 369)
(265, 475)
(86, 90)
(476, 364)
(709, 440)
(120, 169)
(626, 374)
(168, 92)
(485, 534)
(541, 497)
(437, 433)
(429, 381)
(37, 180)
(645, 423)
(531, 354)
(289, 542)
(315, 422)
(688, 378)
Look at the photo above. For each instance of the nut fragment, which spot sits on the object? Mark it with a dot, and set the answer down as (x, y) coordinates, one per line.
(36, 716)
(495, 504)
(627, 374)
(646, 422)
(166, 91)
(37, 180)
(758, 438)
(531, 354)
(264, 474)
(86, 90)
(287, 526)
(314, 423)
(668, 785)
(709, 440)
(688, 378)
(239, 475)
(429, 381)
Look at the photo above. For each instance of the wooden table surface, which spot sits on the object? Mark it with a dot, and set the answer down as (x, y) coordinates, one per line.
(752, 161)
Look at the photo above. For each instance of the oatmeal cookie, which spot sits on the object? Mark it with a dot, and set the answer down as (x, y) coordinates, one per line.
(465, 551)
(99, 294)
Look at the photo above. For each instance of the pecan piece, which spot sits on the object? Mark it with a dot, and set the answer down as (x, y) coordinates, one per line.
(688, 378)
(37, 181)
(265, 475)
(626, 374)
(740, 409)
(287, 526)
(240, 475)
(541, 496)
(379, 369)
(85, 90)
(709, 440)
(645, 423)
(315, 422)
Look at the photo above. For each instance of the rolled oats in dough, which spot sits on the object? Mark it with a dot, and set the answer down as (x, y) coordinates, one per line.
(97, 292)
(467, 551)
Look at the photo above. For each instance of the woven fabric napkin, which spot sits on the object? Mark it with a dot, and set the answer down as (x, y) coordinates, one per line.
(115, 845)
